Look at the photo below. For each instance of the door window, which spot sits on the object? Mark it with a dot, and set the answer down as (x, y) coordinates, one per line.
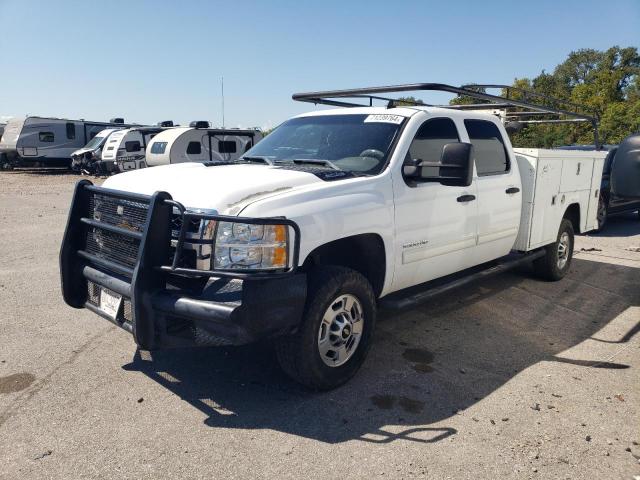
(429, 141)
(488, 147)
(226, 146)
(71, 131)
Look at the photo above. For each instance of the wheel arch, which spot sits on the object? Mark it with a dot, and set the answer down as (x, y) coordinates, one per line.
(364, 253)
(572, 213)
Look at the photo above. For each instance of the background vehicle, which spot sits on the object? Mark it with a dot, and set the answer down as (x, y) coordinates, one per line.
(85, 158)
(333, 211)
(125, 150)
(610, 201)
(200, 143)
(47, 142)
(2, 125)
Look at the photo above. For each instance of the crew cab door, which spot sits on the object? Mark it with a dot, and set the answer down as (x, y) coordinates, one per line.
(435, 225)
(499, 190)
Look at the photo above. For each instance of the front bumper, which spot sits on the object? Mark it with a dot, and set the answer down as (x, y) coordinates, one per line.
(165, 305)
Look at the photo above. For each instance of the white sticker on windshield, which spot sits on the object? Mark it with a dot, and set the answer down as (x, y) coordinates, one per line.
(397, 119)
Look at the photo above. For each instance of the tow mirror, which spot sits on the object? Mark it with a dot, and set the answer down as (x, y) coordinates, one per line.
(411, 168)
(455, 167)
(132, 146)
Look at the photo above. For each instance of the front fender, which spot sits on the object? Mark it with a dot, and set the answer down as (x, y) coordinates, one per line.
(336, 210)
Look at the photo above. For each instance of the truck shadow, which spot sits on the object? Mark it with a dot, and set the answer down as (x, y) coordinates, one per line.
(426, 363)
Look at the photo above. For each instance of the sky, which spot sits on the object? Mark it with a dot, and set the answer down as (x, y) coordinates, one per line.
(148, 61)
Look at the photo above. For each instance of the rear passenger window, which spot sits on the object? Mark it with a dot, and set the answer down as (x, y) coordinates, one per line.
(46, 136)
(488, 147)
(227, 146)
(71, 131)
(429, 141)
(158, 147)
(194, 148)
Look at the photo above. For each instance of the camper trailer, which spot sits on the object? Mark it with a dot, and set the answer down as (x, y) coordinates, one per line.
(2, 125)
(47, 142)
(125, 149)
(200, 143)
(85, 158)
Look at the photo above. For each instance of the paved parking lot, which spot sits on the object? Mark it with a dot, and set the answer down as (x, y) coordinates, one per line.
(511, 377)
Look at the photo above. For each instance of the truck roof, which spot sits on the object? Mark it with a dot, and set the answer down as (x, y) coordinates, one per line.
(404, 111)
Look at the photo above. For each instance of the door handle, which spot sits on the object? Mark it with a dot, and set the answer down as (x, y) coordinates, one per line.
(511, 190)
(466, 198)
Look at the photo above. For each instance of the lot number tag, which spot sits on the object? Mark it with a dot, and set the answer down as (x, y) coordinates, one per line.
(397, 119)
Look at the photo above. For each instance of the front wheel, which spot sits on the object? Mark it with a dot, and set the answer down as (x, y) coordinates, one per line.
(556, 261)
(336, 330)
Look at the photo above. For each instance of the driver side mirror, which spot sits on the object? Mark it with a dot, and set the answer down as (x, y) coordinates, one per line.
(455, 167)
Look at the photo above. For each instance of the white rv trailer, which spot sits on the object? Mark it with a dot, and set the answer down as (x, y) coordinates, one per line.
(2, 125)
(84, 158)
(47, 142)
(125, 149)
(199, 143)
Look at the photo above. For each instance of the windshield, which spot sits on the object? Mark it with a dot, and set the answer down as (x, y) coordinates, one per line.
(353, 143)
(94, 143)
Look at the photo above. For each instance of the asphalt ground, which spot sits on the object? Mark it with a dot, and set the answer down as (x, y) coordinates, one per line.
(511, 377)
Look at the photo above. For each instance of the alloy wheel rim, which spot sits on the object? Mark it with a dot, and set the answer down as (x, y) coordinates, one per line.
(563, 250)
(340, 330)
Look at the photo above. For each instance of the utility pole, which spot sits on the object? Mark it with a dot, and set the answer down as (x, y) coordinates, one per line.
(222, 85)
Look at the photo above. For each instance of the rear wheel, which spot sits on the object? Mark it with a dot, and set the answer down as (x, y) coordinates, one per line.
(603, 211)
(556, 261)
(336, 330)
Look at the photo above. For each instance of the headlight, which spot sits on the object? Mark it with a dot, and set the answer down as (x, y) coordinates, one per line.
(250, 246)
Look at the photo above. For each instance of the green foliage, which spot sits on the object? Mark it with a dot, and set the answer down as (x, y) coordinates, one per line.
(606, 82)
(400, 101)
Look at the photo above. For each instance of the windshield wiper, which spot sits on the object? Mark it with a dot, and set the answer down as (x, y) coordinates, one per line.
(315, 161)
(266, 160)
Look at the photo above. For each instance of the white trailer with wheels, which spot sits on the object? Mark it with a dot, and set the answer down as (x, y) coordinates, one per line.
(200, 143)
(332, 213)
(47, 142)
(85, 158)
(126, 149)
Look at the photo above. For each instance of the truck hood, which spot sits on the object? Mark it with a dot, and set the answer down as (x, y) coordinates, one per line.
(226, 189)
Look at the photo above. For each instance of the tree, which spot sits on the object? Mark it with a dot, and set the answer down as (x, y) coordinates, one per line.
(606, 83)
(404, 101)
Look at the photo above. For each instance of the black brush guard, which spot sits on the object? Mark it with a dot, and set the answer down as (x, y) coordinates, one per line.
(233, 308)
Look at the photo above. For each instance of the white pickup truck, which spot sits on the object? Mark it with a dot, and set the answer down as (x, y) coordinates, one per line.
(301, 238)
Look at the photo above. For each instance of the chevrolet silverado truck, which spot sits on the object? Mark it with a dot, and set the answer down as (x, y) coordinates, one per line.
(333, 213)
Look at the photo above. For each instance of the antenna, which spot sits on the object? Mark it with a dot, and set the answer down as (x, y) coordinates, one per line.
(222, 85)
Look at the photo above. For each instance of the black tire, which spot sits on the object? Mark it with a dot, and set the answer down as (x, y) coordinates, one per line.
(603, 212)
(549, 266)
(299, 354)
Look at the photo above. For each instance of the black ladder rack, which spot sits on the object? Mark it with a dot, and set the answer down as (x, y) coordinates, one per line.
(515, 108)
